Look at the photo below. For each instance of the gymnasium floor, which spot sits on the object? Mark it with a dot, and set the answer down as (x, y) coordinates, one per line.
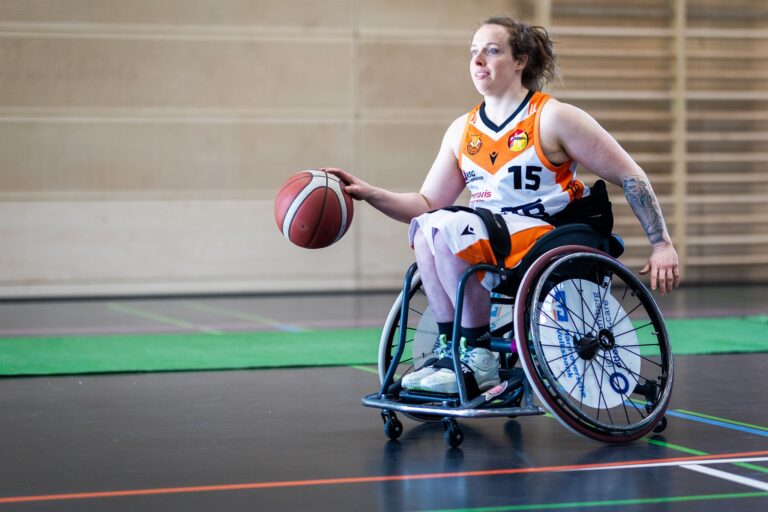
(297, 439)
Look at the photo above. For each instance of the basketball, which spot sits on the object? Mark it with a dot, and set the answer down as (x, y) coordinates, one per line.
(311, 209)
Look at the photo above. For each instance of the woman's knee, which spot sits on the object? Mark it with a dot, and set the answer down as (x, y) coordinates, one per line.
(441, 246)
(421, 245)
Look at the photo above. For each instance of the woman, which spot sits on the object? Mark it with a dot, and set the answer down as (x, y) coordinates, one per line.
(517, 153)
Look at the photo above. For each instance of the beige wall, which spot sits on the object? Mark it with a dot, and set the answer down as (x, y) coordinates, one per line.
(142, 142)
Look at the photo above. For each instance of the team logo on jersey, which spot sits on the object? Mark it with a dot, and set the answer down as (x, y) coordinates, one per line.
(518, 141)
(474, 144)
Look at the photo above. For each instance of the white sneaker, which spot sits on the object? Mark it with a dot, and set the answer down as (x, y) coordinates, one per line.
(441, 350)
(479, 362)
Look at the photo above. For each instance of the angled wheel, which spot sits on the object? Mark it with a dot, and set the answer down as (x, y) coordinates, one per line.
(421, 332)
(593, 344)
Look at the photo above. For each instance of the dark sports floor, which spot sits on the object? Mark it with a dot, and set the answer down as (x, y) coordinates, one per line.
(297, 439)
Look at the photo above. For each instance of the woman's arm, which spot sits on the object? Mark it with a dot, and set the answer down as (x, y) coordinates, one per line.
(569, 132)
(442, 185)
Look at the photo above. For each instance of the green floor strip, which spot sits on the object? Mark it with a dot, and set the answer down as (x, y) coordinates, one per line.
(207, 348)
(717, 335)
(611, 503)
(193, 351)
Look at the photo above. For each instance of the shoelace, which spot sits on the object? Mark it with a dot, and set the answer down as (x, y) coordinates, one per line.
(464, 351)
(441, 347)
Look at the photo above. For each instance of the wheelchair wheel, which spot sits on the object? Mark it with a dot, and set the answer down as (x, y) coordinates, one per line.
(593, 345)
(421, 330)
(420, 336)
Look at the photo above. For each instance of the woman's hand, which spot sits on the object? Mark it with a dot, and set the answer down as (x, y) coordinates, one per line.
(351, 184)
(663, 267)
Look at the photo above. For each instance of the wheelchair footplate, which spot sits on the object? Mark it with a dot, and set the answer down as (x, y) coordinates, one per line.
(511, 397)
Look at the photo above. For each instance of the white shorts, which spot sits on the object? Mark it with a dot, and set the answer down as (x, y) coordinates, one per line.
(467, 237)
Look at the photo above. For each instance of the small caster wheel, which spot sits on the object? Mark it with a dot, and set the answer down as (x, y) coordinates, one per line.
(392, 426)
(662, 426)
(453, 435)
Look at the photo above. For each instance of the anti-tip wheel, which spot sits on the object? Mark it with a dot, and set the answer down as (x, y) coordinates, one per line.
(453, 435)
(662, 425)
(393, 429)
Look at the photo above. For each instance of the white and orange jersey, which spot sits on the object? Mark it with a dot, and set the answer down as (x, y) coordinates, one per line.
(505, 168)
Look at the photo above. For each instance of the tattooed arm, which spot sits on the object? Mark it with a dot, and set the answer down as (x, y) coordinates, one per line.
(569, 132)
(663, 264)
(643, 201)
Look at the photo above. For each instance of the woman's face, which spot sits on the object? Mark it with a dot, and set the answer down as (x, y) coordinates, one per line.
(492, 66)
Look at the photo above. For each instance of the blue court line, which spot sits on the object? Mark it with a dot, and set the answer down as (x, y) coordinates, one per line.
(711, 420)
(717, 423)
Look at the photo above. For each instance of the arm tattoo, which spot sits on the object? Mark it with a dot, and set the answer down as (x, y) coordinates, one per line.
(645, 205)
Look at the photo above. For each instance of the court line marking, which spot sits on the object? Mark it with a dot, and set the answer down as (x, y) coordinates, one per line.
(365, 369)
(609, 503)
(724, 475)
(719, 423)
(241, 315)
(691, 451)
(676, 461)
(711, 420)
(724, 420)
(163, 319)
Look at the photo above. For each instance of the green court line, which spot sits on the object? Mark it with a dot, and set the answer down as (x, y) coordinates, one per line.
(241, 315)
(365, 369)
(610, 503)
(677, 447)
(691, 451)
(724, 420)
(163, 319)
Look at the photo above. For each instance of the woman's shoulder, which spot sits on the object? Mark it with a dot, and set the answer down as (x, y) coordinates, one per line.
(557, 113)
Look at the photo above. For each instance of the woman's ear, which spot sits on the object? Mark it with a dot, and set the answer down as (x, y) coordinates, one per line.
(521, 62)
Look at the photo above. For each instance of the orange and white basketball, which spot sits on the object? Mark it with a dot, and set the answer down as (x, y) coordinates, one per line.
(312, 210)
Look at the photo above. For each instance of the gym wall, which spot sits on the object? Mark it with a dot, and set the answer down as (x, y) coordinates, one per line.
(142, 142)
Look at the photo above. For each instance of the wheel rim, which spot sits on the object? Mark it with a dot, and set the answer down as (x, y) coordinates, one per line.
(584, 360)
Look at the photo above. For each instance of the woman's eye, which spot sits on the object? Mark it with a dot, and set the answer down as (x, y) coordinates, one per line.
(493, 51)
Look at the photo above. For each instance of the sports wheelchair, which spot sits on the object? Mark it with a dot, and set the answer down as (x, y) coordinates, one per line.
(588, 336)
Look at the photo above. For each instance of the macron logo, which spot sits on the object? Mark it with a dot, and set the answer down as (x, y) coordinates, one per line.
(468, 230)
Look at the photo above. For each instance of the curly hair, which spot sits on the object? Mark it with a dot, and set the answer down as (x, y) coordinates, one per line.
(533, 42)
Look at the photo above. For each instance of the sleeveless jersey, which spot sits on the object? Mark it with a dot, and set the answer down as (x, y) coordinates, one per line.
(505, 168)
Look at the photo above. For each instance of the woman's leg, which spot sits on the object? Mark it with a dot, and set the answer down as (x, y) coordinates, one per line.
(449, 268)
(439, 300)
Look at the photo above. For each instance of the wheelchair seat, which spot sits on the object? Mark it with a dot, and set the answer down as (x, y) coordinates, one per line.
(570, 234)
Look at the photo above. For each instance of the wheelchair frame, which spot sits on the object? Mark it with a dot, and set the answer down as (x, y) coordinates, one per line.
(514, 396)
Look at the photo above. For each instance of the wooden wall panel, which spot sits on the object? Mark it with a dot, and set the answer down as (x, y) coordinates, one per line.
(174, 157)
(141, 143)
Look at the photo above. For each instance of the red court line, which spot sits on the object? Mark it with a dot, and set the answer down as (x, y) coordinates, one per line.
(363, 479)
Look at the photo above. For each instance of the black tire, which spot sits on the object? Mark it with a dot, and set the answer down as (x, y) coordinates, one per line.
(453, 435)
(662, 426)
(593, 345)
(393, 429)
